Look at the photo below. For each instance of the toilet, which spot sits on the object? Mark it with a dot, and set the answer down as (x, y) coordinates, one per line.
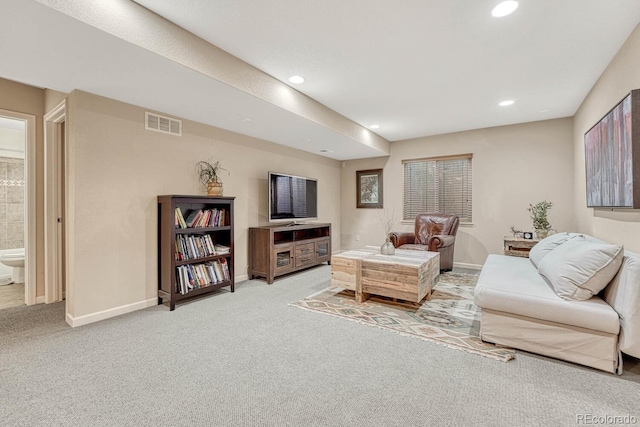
(16, 261)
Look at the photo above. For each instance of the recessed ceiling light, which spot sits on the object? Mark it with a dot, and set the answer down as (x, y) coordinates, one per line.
(505, 103)
(374, 127)
(504, 8)
(296, 79)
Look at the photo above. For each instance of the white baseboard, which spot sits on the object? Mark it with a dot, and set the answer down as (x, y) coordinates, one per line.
(469, 266)
(40, 300)
(112, 312)
(241, 278)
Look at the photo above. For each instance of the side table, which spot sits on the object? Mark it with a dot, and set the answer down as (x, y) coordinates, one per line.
(517, 246)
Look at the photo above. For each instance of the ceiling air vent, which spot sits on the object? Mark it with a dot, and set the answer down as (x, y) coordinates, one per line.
(162, 124)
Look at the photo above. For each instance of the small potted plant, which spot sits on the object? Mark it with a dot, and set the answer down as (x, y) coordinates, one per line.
(539, 213)
(209, 175)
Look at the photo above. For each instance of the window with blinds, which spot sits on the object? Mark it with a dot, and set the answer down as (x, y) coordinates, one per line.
(438, 185)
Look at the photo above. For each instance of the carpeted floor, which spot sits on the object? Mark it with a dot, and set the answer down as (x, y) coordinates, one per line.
(449, 317)
(250, 359)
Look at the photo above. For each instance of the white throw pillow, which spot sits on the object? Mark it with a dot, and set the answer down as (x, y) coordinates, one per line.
(546, 245)
(578, 269)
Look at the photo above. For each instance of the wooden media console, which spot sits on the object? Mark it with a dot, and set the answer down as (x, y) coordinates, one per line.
(275, 250)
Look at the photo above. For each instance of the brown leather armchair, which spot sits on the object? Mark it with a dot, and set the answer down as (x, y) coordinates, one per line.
(434, 232)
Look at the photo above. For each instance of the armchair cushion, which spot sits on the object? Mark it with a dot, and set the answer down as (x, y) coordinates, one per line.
(415, 247)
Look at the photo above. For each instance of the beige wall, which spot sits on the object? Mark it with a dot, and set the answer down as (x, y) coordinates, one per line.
(30, 100)
(620, 77)
(116, 170)
(513, 166)
(52, 98)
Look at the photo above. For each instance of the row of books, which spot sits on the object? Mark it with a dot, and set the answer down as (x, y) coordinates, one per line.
(200, 218)
(196, 276)
(194, 247)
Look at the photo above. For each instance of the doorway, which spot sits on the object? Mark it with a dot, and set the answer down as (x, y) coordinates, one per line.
(17, 209)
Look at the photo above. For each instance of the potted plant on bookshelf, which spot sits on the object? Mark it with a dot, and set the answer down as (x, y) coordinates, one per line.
(209, 175)
(539, 213)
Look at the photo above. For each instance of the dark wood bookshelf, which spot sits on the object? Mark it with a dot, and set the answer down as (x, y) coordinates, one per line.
(169, 289)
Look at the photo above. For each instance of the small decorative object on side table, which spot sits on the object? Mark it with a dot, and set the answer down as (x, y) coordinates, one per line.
(518, 246)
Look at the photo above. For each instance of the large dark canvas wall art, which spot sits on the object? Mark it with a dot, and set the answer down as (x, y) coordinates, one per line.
(612, 157)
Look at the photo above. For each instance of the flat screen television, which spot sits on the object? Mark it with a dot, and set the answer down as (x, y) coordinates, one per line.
(612, 157)
(292, 198)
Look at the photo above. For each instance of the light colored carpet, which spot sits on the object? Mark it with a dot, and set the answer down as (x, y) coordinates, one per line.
(249, 359)
(449, 317)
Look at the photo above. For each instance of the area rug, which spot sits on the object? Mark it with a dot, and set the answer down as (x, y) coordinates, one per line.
(448, 318)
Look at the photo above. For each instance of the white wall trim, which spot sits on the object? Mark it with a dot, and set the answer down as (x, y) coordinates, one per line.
(112, 312)
(240, 278)
(468, 266)
(40, 299)
(52, 257)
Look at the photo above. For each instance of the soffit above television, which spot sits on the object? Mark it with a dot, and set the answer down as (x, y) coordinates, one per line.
(612, 157)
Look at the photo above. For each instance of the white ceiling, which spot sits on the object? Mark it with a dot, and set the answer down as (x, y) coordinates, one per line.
(421, 67)
(416, 67)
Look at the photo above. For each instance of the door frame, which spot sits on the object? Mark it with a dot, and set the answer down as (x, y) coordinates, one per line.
(53, 161)
(30, 252)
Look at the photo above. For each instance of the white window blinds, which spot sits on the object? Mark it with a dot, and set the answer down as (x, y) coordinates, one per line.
(438, 185)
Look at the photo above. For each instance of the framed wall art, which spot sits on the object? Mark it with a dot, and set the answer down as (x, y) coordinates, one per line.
(369, 188)
(612, 157)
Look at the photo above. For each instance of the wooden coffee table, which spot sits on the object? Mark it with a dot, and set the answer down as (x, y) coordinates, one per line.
(407, 275)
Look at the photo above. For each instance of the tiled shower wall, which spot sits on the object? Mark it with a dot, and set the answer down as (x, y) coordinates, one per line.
(11, 203)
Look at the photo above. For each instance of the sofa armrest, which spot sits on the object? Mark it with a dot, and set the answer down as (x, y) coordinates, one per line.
(440, 241)
(399, 238)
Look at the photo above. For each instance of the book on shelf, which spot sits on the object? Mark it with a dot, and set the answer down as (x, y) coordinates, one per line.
(193, 216)
(198, 246)
(212, 273)
(179, 219)
(196, 276)
(184, 279)
(209, 242)
(225, 269)
(217, 266)
(201, 218)
(206, 219)
(221, 249)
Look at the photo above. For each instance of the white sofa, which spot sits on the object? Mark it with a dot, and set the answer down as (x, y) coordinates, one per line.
(527, 303)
